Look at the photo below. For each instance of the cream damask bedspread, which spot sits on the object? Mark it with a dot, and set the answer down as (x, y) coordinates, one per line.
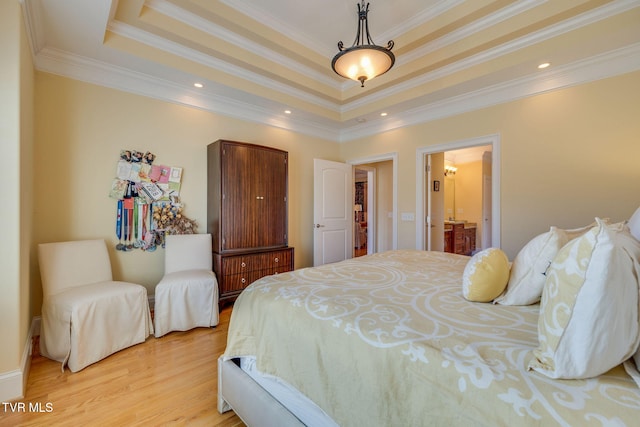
(388, 339)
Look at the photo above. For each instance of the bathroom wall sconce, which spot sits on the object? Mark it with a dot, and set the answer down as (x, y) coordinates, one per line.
(450, 170)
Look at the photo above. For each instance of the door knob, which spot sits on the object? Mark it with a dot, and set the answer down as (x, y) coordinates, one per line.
(319, 225)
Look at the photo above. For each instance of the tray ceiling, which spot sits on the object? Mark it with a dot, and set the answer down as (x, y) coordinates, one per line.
(257, 59)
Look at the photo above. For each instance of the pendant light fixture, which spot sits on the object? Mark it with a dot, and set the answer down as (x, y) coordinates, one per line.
(364, 60)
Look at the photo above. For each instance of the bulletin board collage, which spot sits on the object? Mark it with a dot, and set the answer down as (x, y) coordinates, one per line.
(148, 202)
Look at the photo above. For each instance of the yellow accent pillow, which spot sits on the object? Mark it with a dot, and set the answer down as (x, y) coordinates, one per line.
(588, 319)
(485, 275)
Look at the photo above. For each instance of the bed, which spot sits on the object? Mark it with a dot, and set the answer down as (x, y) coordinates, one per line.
(388, 339)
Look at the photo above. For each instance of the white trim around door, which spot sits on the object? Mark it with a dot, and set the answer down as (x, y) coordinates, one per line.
(381, 158)
(421, 175)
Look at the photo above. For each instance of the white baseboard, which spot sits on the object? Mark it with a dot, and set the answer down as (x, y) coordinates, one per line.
(14, 383)
(11, 385)
(35, 326)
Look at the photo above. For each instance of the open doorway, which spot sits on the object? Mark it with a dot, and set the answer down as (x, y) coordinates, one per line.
(334, 202)
(466, 222)
(374, 207)
(458, 196)
(364, 181)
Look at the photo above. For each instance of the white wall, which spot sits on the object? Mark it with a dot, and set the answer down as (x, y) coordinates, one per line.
(16, 114)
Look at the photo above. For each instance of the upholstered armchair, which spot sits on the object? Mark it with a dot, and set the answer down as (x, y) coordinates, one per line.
(187, 295)
(86, 315)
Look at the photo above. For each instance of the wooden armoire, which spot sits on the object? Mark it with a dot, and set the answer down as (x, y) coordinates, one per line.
(247, 211)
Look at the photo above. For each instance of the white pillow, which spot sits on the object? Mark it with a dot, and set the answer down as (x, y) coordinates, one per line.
(528, 271)
(485, 275)
(588, 320)
(634, 224)
(633, 366)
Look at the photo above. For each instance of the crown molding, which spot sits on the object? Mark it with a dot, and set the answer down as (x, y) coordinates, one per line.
(610, 64)
(603, 12)
(245, 106)
(586, 18)
(276, 25)
(33, 23)
(284, 28)
(145, 37)
(208, 27)
(103, 74)
(420, 18)
(614, 63)
(470, 29)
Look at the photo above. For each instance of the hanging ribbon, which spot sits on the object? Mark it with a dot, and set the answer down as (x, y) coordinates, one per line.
(130, 228)
(145, 208)
(126, 227)
(135, 224)
(141, 223)
(119, 221)
(119, 246)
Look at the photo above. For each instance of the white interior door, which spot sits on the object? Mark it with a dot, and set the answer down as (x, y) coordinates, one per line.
(333, 214)
(372, 218)
(428, 218)
(486, 211)
(435, 202)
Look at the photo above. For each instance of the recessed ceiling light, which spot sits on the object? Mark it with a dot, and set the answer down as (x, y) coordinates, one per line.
(287, 111)
(544, 65)
(361, 120)
(198, 85)
(383, 114)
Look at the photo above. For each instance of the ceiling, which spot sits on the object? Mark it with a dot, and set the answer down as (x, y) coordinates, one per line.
(260, 58)
(466, 155)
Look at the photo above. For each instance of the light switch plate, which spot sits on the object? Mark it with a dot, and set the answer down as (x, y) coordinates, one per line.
(408, 216)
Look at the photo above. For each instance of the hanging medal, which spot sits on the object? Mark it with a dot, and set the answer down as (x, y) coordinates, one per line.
(119, 246)
(136, 243)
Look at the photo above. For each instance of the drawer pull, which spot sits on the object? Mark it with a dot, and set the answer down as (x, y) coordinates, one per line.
(244, 280)
(244, 264)
(276, 260)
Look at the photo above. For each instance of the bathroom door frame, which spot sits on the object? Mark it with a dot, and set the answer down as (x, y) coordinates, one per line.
(421, 179)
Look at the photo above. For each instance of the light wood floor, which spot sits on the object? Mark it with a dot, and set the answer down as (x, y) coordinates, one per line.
(171, 380)
(360, 251)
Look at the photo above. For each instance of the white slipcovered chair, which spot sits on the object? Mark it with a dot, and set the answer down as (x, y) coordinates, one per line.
(187, 295)
(86, 315)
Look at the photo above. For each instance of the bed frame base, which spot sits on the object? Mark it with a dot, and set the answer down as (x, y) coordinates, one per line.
(253, 404)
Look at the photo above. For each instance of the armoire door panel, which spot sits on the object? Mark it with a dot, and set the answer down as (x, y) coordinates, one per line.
(238, 182)
(273, 194)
